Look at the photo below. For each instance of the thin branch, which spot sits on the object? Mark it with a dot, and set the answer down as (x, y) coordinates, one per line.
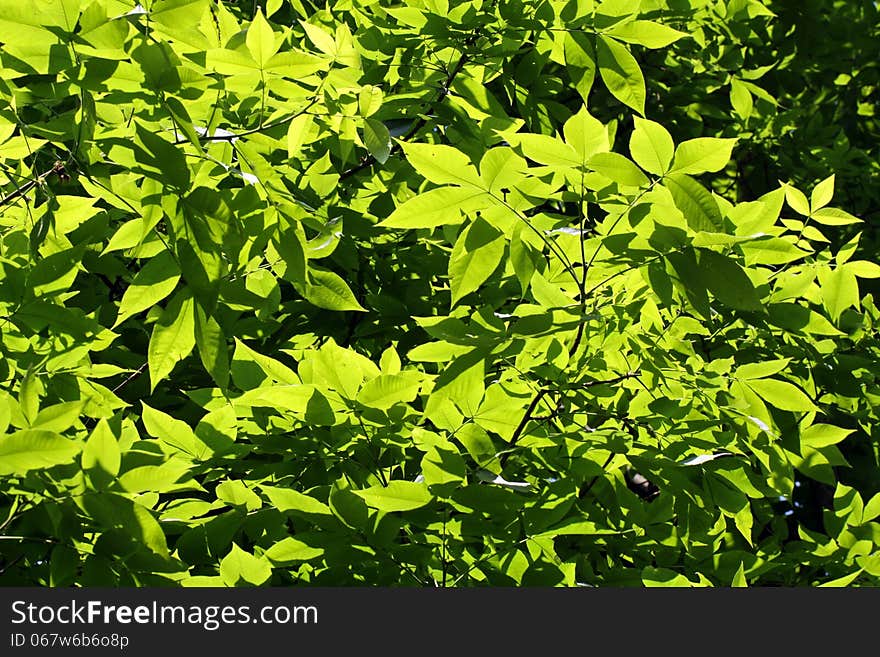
(422, 121)
(232, 137)
(57, 169)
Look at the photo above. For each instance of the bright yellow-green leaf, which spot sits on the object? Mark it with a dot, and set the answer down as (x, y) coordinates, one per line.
(651, 146)
(396, 496)
(172, 339)
(240, 568)
(703, 154)
(621, 73)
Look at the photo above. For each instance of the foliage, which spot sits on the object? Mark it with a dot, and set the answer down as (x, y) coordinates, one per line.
(425, 293)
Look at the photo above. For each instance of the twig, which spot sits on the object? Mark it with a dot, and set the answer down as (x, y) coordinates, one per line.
(370, 160)
(57, 169)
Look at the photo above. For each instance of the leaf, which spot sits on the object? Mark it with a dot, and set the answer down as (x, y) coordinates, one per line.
(327, 290)
(840, 290)
(240, 568)
(501, 168)
(651, 146)
(699, 208)
(618, 168)
(822, 194)
(290, 549)
(101, 456)
(796, 200)
(260, 40)
(298, 132)
(697, 156)
(35, 449)
(782, 395)
(377, 140)
(621, 73)
(548, 150)
(155, 281)
(212, 347)
(443, 469)
(58, 417)
(386, 390)
(323, 41)
(169, 476)
(128, 517)
(580, 62)
(397, 496)
(437, 207)
(728, 281)
(834, 217)
(823, 435)
(762, 369)
(741, 99)
(863, 268)
(585, 134)
(646, 33)
(477, 253)
(480, 446)
(290, 500)
(443, 165)
(172, 432)
(172, 339)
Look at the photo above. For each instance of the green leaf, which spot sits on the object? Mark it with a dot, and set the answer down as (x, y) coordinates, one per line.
(155, 281)
(298, 132)
(326, 289)
(386, 390)
(782, 395)
(443, 165)
(290, 549)
(101, 456)
(174, 433)
(480, 446)
(618, 168)
(651, 146)
(741, 99)
(323, 41)
(834, 217)
(728, 281)
(580, 62)
(260, 40)
(621, 73)
(822, 194)
(840, 290)
(645, 33)
(443, 469)
(172, 339)
(437, 207)
(212, 347)
(377, 140)
(35, 449)
(823, 435)
(697, 156)
(477, 253)
(699, 208)
(127, 517)
(396, 496)
(548, 150)
(585, 134)
(240, 568)
(288, 500)
(762, 369)
(166, 477)
(863, 268)
(501, 168)
(58, 417)
(797, 201)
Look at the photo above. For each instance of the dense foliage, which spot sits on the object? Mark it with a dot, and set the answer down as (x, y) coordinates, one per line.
(419, 292)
